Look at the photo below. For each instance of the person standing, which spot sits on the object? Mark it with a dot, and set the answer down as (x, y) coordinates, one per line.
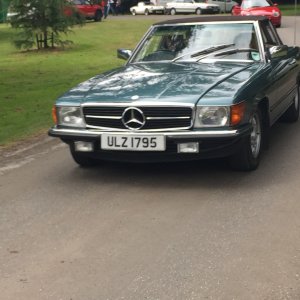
(111, 7)
(105, 6)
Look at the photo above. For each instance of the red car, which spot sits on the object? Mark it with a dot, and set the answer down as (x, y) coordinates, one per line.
(88, 9)
(259, 8)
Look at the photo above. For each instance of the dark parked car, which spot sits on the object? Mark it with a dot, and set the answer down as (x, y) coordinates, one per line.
(193, 88)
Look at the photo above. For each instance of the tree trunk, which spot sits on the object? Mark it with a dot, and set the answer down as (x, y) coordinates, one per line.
(37, 41)
(46, 40)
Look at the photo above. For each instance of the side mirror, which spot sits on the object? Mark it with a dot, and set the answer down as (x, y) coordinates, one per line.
(278, 51)
(124, 53)
(275, 4)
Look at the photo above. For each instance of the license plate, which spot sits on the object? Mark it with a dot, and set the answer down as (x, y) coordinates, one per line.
(133, 142)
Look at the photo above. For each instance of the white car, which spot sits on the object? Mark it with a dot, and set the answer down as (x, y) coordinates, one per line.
(146, 9)
(197, 7)
(225, 5)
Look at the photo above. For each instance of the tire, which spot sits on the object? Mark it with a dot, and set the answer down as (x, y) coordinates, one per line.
(82, 159)
(133, 12)
(98, 16)
(292, 113)
(173, 11)
(146, 12)
(198, 11)
(248, 156)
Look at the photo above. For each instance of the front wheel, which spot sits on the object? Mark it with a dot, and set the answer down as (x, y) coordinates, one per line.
(146, 12)
(133, 12)
(98, 16)
(248, 156)
(198, 11)
(173, 11)
(82, 159)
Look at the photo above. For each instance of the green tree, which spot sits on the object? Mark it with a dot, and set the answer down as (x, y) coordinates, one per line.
(42, 22)
(3, 9)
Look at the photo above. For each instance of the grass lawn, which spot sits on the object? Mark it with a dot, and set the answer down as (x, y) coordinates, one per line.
(31, 81)
(289, 10)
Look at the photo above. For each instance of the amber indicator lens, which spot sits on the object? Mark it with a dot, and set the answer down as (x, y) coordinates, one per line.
(54, 116)
(237, 113)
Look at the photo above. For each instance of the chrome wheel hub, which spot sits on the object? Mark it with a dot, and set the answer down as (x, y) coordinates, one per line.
(296, 101)
(255, 136)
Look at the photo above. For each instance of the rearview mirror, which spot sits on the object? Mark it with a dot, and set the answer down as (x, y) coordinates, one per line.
(278, 51)
(124, 53)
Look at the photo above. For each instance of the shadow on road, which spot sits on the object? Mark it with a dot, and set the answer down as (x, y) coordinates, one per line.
(279, 163)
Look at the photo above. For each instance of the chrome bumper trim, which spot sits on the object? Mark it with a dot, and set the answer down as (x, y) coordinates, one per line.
(58, 132)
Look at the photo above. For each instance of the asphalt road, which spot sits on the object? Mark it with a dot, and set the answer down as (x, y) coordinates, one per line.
(167, 231)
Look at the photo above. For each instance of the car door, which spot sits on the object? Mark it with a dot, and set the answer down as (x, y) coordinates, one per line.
(282, 75)
(221, 4)
(89, 9)
(178, 5)
(189, 6)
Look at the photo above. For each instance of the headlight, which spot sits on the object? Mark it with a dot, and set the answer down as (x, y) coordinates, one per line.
(70, 116)
(212, 116)
(276, 13)
(218, 116)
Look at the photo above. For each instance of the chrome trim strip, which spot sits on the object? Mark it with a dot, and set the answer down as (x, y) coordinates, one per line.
(167, 118)
(180, 134)
(103, 117)
(140, 130)
(138, 104)
(260, 42)
(205, 22)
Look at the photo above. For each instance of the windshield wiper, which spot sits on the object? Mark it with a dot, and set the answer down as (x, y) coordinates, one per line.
(235, 50)
(204, 51)
(231, 51)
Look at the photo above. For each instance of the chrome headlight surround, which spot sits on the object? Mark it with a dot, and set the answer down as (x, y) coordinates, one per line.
(212, 116)
(70, 116)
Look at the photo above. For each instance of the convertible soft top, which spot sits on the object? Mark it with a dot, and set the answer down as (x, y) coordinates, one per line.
(213, 19)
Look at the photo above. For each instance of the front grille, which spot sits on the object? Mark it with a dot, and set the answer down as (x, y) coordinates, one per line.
(156, 118)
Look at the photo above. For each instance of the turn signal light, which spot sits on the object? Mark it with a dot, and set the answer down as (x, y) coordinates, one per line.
(54, 115)
(237, 113)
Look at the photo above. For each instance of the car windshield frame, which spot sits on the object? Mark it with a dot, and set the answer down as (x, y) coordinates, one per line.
(137, 57)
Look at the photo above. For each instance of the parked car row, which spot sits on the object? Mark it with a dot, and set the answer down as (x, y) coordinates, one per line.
(247, 8)
(183, 6)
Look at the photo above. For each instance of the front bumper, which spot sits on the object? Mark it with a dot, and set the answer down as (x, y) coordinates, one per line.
(212, 144)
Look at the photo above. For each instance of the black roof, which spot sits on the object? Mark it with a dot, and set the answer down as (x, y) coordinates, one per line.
(212, 19)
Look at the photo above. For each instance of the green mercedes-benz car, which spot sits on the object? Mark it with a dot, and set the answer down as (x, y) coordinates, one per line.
(193, 88)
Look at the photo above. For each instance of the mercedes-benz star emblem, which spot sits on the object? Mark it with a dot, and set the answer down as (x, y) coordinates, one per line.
(133, 118)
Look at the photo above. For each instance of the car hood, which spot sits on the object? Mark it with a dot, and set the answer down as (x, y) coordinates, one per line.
(161, 82)
(261, 11)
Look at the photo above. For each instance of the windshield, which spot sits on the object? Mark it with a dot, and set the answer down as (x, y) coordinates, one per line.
(186, 42)
(255, 3)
